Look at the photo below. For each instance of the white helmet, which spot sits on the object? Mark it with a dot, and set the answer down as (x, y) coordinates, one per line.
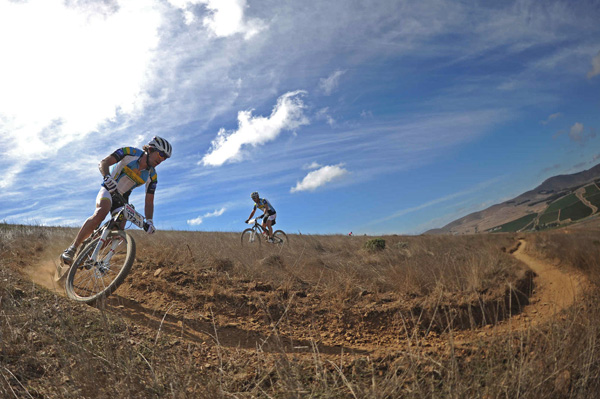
(161, 144)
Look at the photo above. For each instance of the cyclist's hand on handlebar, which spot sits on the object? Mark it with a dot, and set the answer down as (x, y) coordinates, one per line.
(149, 226)
(110, 183)
(246, 221)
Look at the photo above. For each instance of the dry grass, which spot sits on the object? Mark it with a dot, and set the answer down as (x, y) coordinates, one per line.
(338, 265)
(576, 248)
(54, 348)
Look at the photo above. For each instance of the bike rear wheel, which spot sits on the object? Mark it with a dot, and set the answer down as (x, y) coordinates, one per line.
(90, 282)
(250, 238)
(280, 238)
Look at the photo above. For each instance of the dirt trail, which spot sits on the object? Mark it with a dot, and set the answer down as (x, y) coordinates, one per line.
(554, 290)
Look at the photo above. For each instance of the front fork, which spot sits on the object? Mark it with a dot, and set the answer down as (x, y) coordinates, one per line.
(109, 255)
(253, 235)
(101, 242)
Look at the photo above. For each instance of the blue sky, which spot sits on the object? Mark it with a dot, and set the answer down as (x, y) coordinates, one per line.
(374, 117)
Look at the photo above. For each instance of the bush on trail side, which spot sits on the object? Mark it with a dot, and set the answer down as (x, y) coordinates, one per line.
(375, 244)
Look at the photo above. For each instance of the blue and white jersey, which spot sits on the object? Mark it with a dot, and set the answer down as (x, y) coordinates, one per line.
(263, 203)
(128, 174)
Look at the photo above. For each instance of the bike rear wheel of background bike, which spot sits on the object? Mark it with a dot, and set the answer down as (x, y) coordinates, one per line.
(250, 239)
(89, 283)
(280, 238)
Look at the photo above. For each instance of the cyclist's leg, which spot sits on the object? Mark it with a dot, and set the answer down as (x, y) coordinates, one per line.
(269, 223)
(103, 204)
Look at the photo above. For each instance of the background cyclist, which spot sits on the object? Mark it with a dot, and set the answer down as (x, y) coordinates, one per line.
(132, 168)
(268, 211)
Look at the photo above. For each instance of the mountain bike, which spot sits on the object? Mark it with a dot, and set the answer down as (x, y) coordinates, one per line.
(252, 236)
(105, 258)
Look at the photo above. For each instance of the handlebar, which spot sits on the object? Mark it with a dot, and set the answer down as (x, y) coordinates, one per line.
(250, 221)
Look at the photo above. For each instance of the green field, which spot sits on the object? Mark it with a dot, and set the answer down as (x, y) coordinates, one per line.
(575, 212)
(562, 203)
(515, 225)
(594, 199)
(591, 190)
(548, 217)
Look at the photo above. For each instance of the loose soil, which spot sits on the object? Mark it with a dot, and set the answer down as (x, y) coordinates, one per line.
(257, 317)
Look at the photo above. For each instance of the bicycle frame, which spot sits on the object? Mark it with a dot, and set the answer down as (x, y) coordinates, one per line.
(257, 226)
(249, 235)
(127, 212)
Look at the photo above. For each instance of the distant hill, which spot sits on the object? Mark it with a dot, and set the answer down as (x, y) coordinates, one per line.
(558, 200)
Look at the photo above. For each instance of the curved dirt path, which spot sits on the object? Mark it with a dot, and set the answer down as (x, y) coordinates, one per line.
(554, 289)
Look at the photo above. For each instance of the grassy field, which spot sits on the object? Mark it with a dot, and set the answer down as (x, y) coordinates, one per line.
(200, 317)
(591, 190)
(561, 203)
(575, 212)
(515, 225)
(594, 200)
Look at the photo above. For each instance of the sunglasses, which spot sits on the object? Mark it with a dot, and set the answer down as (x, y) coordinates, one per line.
(163, 155)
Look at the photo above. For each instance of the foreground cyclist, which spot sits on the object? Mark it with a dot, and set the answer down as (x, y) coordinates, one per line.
(268, 212)
(133, 167)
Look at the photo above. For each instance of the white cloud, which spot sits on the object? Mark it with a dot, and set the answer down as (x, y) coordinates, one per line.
(578, 135)
(595, 66)
(195, 222)
(287, 115)
(551, 118)
(320, 177)
(226, 17)
(313, 165)
(200, 219)
(576, 132)
(331, 82)
(323, 114)
(478, 187)
(67, 70)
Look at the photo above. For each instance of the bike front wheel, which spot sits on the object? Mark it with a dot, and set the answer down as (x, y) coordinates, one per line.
(89, 281)
(250, 238)
(280, 238)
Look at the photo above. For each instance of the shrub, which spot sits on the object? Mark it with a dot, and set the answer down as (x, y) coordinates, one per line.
(375, 244)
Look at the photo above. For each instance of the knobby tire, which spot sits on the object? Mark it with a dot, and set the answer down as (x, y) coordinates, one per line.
(279, 234)
(85, 285)
(246, 234)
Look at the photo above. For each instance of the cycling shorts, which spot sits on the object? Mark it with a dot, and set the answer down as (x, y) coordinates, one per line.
(104, 195)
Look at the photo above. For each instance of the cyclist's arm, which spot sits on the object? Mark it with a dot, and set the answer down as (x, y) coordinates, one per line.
(105, 164)
(252, 214)
(149, 208)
